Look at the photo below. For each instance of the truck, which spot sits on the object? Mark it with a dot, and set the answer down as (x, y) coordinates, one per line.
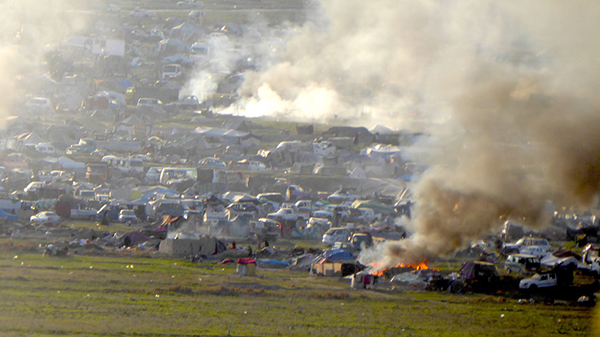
(591, 258)
(171, 72)
(164, 94)
(305, 206)
(96, 172)
(83, 213)
(545, 280)
(336, 234)
(288, 214)
(188, 102)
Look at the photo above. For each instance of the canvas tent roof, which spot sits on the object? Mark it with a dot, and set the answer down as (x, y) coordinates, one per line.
(372, 204)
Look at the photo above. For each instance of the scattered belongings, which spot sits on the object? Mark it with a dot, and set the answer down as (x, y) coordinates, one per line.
(246, 267)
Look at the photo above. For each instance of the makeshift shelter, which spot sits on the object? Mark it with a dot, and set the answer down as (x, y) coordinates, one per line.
(360, 134)
(374, 205)
(172, 47)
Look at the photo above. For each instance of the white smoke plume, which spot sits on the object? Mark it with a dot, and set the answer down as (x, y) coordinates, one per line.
(512, 82)
(27, 29)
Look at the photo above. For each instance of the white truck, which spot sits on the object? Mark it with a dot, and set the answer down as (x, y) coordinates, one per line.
(288, 214)
(83, 213)
(591, 258)
(545, 280)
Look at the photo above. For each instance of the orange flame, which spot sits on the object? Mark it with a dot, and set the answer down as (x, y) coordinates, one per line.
(376, 267)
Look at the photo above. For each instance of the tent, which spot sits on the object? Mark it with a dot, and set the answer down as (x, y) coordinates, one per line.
(8, 216)
(374, 205)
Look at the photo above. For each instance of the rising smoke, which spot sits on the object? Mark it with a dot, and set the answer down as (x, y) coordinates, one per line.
(513, 83)
(27, 29)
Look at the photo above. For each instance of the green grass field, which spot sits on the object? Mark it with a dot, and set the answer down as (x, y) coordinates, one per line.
(129, 293)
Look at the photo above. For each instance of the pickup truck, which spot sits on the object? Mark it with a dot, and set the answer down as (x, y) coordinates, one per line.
(287, 214)
(83, 213)
(545, 280)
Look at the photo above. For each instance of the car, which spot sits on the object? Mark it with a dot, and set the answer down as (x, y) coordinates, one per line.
(521, 263)
(45, 218)
(148, 102)
(528, 241)
(212, 163)
(33, 187)
(45, 148)
(336, 234)
(538, 251)
(76, 149)
(127, 215)
(39, 104)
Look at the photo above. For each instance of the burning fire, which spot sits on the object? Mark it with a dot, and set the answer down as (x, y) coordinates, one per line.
(377, 268)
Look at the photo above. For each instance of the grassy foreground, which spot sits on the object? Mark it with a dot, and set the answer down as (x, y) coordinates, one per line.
(116, 295)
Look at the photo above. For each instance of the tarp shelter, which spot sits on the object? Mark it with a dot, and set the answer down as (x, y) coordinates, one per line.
(172, 47)
(382, 130)
(373, 204)
(177, 58)
(185, 31)
(8, 216)
(553, 261)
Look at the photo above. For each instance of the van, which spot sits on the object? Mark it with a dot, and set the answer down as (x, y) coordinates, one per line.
(125, 164)
(522, 263)
(177, 173)
(153, 174)
(336, 234)
(171, 71)
(148, 102)
(45, 148)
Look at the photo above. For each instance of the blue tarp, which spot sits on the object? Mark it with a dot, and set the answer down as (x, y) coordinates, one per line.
(124, 83)
(338, 255)
(7, 216)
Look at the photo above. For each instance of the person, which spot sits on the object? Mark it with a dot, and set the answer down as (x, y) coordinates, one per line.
(266, 243)
(233, 245)
(249, 251)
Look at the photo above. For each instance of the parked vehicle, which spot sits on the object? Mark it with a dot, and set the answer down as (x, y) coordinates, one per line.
(294, 192)
(153, 175)
(545, 280)
(127, 215)
(171, 72)
(521, 263)
(96, 172)
(124, 164)
(361, 240)
(45, 218)
(336, 234)
(171, 174)
(273, 199)
(39, 104)
(475, 276)
(148, 102)
(591, 257)
(246, 210)
(528, 241)
(33, 187)
(250, 165)
(287, 214)
(45, 148)
(266, 229)
(82, 213)
(538, 251)
(212, 163)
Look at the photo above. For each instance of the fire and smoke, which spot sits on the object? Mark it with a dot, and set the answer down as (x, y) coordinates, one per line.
(512, 82)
